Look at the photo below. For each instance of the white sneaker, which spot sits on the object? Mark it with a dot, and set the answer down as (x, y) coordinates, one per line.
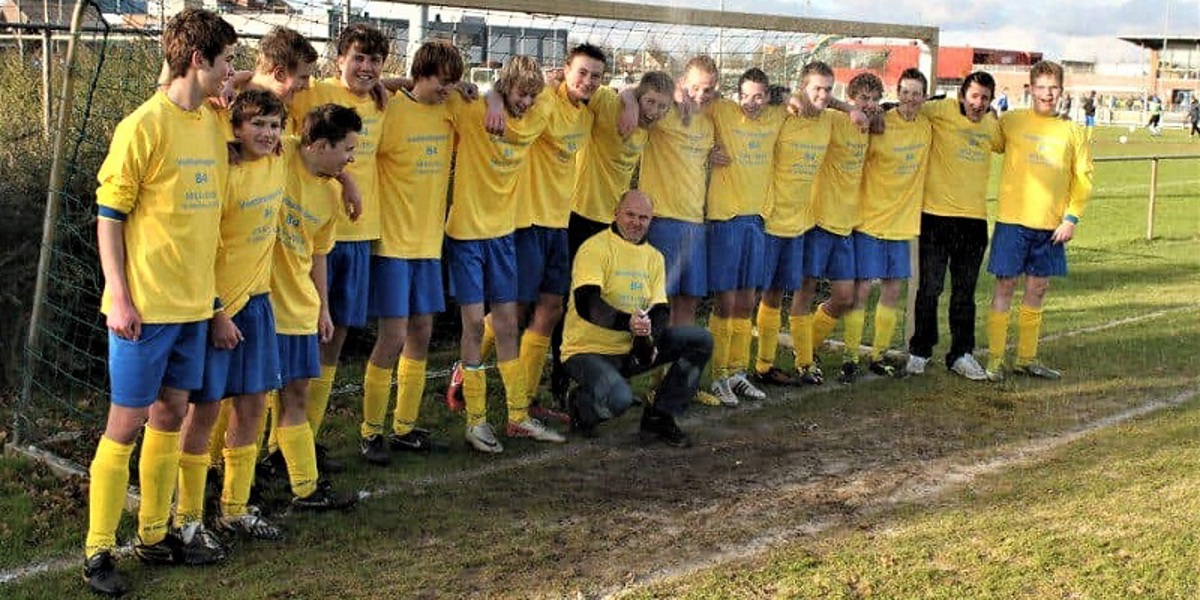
(483, 438)
(741, 386)
(535, 430)
(968, 367)
(720, 389)
(916, 365)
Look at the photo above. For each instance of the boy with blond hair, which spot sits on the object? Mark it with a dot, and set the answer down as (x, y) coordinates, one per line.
(481, 251)
(1045, 184)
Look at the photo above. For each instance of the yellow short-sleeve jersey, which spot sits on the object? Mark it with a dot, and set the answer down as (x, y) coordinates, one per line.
(543, 190)
(414, 176)
(307, 225)
(960, 160)
(631, 277)
(799, 152)
(1047, 172)
(741, 187)
(675, 165)
(487, 168)
(165, 177)
(249, 222)
(835, 198)
(607, 162)
(364, 169)
(894, 178)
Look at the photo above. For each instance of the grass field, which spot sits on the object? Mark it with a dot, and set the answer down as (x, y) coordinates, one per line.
(929, 487)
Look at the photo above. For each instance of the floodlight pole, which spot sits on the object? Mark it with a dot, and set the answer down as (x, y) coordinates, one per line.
(720, 47)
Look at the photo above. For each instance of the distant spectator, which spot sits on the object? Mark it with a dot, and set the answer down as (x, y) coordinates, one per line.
(1002, 101)
(1194, 119)
(1154, 124)
(1064, 106)
(1089, 113)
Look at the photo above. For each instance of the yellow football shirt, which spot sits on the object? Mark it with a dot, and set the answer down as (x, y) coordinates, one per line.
(607, 162)
(1047, 170)
(543, 190)
(675, 165)
(165, 171)
(799, 152)
(307, 224)
(894, 178)
(960, 161)
(414, 176)
(631, 277)
(835, 189)
(487, 168)
(741, 188)
(248, 230)
(364, 169)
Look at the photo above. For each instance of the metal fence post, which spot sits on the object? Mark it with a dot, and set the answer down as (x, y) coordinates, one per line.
(1153, 197)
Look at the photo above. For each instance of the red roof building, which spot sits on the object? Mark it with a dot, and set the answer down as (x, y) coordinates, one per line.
(889, 61)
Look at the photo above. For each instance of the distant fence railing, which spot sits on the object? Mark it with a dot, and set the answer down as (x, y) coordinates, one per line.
(1154, 160)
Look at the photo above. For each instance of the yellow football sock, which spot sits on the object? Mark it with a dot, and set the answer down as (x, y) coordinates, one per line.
(106, 494)
(318, 397)
(475, 394)
(997, 332)
(1029, 326)
(216, 442)
(822, 325)
(158, 470)
(739, 345)
(855, 319)
(768, 337)
(189, 501)
(722, 334)
(885, 328)
(270, 417)
(514, 390)
(410, 385)
(488, 342)
(239, 475)
(300, 453)
(802, 332)
(377, 386)
(534, 347)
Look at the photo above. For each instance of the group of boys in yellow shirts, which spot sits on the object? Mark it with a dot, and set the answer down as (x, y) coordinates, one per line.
(239, 244)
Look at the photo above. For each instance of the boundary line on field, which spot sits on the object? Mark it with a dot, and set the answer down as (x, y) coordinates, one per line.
(956, 475)
(17, 574)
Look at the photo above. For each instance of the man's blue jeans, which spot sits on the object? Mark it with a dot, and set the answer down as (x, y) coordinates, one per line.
(603, 379)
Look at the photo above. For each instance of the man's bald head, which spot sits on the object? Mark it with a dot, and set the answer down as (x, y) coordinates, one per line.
(635, 196)
(633, 215)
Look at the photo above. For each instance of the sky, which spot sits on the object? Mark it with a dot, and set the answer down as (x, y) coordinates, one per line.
(1066, 29)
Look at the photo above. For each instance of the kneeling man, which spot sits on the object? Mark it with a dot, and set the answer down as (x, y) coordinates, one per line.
(616, 327)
